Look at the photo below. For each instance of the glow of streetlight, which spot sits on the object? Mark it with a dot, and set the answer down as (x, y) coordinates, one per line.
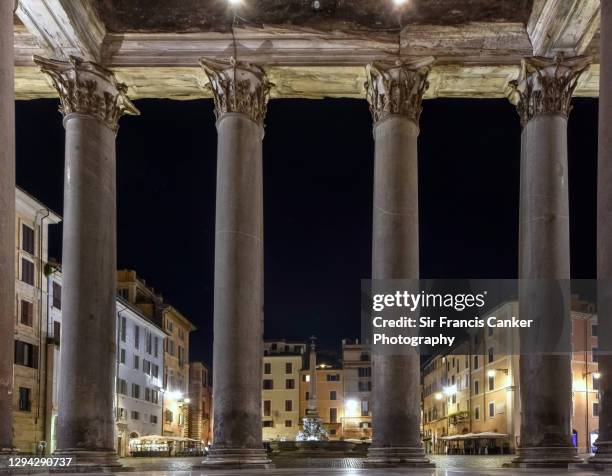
(491, 373)
(187, 400)
(399, 3)
(450, 391)
(234, 3)
(351, 407)
(596, 375)
(438, 396)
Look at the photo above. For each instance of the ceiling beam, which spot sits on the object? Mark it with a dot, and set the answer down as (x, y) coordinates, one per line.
(64, 28)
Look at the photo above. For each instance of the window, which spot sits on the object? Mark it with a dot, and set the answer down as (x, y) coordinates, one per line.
(365, 386)
(169, 325)
(268, 384)
(476, 387)
(332, 395)
(27, 239)
(267, 407)
(595, 409)
(595, 382)
(124, 293)
(148, 342)
(136, 362)
(491, 409)
(595, 354)
(475, 361)
(169, 416)
(153, 419)
(594, 330)
(307, 396)
(27, 271)
(122, 356)
(364, 372)
(57, 295)
(268, 424)
(154, 396)
(57, 331)
(490, 331)
(146, 366)
(288, 423)
(289, 384)
(27, 313)
(477, 413)
(155, 371)
(288, 405)
(181, 355)
(365, 408)
(267, 368)
(288, 368)
(121, 386)
(123, 329)
(147, 394)
(491, 383)
(333, 377)
(156, 346)
(171, 347)
(333, 415)
(25, 405)
(121, 413)
(26, 354)
(135, 390)
(136, 336)
(135, 415)
(491, 356)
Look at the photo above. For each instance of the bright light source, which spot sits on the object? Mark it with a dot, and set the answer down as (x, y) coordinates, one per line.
(187, 400)
(351, 407)
(596, 375)
(399, 2)
(307, 378)
(491, 373)
(450, 391)
(438, 396)
(175, 395)
(234, 3)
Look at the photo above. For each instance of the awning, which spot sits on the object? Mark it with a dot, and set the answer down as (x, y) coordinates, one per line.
(475, 436)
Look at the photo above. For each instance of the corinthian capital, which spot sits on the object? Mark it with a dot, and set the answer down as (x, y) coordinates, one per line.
(397, 88)
(238, 87)
(546, 85)
(85, 87)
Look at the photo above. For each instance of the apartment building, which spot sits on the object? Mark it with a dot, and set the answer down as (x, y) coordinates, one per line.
(200, 406)
(32, 333)
(471, 394)
(282, 363)
(357, 370)
(175, 400)
(140, 367)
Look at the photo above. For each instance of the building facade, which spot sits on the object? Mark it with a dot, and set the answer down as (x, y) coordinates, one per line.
(140, 367)
(470, 395)
(200, 406)
(357, 369)
(32, 336)
(177, 327)
(283, 362)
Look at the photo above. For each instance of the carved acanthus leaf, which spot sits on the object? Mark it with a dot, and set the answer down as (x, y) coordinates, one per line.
(238, 87)
(85, 87)
(397, 88)
(546, 85)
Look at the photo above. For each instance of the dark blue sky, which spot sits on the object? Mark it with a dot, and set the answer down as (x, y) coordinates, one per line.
(318, 166)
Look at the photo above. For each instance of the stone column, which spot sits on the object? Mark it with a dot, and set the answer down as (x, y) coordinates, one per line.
(92, 102)
(395, 92)
(7, 224)
(543, 94)
(603, 454)
(240, 92)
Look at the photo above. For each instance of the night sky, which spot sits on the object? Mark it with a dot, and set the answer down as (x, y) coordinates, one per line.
(318, 174)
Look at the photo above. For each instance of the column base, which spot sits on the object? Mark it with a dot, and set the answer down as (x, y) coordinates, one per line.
(5, 454)
(392, 457)
(545, 457)
(602, 458)
(87, 461)
(235, 458)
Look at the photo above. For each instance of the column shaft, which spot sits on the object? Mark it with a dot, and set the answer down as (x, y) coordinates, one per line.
(86, 421)
(604, 238)
(92, 102)
(241, 93)
(7, 223)
(543, 93)
(395, 93)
